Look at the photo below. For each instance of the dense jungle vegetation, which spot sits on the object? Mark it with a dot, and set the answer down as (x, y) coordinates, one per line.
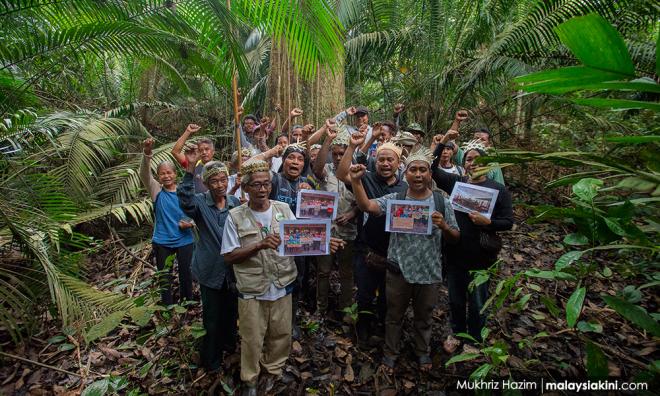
(569, 89)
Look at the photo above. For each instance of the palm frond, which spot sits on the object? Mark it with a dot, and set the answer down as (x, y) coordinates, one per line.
(86, 147)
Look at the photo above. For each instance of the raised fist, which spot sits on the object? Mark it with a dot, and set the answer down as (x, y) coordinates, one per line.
(278, 108)
(296, 112)
(147, 146)
(351, 110)
(398, 108)
(192, 128)
(357, 138)
(356, 171)
(461, 115)
(437, 139)
(451, 135)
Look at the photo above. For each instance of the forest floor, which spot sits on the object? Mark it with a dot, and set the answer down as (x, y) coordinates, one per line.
(161, 357)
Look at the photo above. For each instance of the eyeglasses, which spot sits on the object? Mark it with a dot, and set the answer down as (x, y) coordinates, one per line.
(259, 186)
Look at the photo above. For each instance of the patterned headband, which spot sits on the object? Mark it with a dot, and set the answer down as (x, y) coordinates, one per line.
(214, 168)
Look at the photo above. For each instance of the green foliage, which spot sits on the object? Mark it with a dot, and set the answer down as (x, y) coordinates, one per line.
(574, 306)
(633, 313)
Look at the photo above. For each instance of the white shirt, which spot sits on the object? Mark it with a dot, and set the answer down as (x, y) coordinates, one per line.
(275, 164)
(231, 242)
(230, 185)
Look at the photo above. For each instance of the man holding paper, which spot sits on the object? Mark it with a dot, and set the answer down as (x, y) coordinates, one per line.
(414, 260)
(263, 278)
(477, 248)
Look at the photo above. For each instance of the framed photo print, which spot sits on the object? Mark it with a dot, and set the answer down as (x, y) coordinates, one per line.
(469, 198)
(305, 237)
(411, 217)
(317, 204)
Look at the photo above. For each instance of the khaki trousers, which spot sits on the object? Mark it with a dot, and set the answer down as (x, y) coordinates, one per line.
(324, 267)
(265, 329)
(424, 299)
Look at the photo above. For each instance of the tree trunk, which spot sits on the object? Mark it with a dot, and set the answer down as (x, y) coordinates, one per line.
(320, 98)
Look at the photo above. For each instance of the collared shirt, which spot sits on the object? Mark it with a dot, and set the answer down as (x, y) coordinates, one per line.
(419, 256)
(208, 266)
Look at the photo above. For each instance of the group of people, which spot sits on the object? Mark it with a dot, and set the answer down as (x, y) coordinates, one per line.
(237, 211)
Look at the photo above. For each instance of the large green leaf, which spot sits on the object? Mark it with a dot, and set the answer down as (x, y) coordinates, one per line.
(634, 314)
(462, 358)
(617, 104)
(595, 42)
(633, 139)
(569, 258)
(574, 306)
(587, 189)
(104, 327)
(567, 79)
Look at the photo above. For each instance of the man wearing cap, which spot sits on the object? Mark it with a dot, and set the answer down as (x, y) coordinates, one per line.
(414, 269)
(362, 114)
(418, 133)
(210, 210)
(371, 250)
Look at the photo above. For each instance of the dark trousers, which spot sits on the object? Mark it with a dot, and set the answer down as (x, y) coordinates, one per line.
(219, 314)
(399, 296)
(324, 268)
(183, 258)
(370, 286)
(462, 302)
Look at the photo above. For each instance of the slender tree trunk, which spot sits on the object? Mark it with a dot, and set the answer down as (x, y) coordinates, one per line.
(320, 98)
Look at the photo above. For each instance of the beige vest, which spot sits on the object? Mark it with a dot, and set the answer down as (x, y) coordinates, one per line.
(254, 276)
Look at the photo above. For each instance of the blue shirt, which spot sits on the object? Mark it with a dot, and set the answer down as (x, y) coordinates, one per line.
(208, 265)
(168, 214)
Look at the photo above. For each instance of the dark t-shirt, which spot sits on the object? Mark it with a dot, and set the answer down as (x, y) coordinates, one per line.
(467, 253)
(373, 233)
(285, 190)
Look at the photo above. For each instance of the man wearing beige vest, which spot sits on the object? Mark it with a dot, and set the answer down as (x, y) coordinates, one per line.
(263, 278)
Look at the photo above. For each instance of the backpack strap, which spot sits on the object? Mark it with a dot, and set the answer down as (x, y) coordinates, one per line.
(439, 202)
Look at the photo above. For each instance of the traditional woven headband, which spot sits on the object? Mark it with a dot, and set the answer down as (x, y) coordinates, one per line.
(475, 144)
(254, 166)
(423, 154)
(389, 146)
(214, 168)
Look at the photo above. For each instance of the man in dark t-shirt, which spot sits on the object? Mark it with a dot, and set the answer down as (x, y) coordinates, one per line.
(373, 241)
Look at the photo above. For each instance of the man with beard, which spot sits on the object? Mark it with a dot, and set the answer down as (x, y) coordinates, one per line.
(473, 252)
(371, 250)
(204, 147)
(210, 210)
(344, 226)
(414, 268)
